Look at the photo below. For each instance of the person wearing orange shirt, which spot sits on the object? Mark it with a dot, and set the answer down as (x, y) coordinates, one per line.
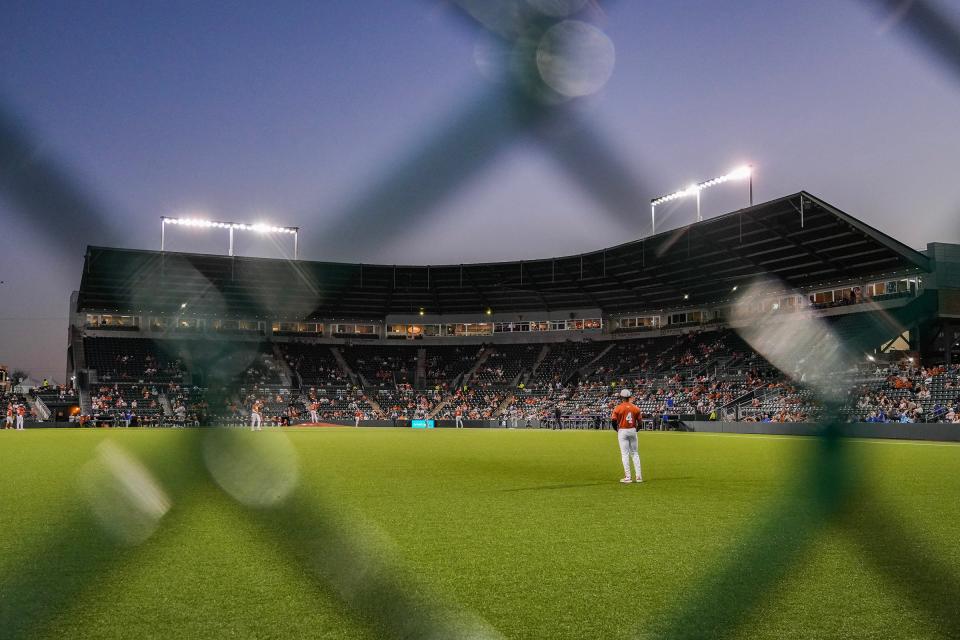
(21, 412)
(625, 419)
(10, 412)
(458, 415)
(314, 416)
(256, 416)
(357, 417)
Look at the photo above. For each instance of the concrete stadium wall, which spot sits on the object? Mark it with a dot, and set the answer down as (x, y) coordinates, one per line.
(894, 431)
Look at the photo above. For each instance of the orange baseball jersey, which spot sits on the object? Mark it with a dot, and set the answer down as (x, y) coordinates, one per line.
(627, 415)
(21, 410)
(257, 406)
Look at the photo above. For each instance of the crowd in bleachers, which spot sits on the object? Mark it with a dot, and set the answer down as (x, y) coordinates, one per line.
(125, 360)
(125, 402)
(382, 366)
(708, 374)
(315, 364)
(504, 364)
(474, 404)
(444, 364)
(407, 403)
(901, 392)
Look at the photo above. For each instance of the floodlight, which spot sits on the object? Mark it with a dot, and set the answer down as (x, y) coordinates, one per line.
(259, 227)
(740, 173)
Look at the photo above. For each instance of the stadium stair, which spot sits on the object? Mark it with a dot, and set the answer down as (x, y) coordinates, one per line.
(345, 367)
(588, 368)
(39, 408)
(437, 409)
(375, 406)
(509, 400)
(421, 372)
(481, 359)
(84, 399)
(540, 358)
(283, 369)
(165, 405)
(524, 377)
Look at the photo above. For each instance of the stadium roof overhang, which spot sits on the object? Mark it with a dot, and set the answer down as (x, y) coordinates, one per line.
(794, 242)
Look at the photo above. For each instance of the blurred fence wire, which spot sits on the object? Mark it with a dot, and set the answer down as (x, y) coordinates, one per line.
(542, 56)
(824, 492)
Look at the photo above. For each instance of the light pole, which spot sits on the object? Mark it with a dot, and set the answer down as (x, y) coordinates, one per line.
(739, 173)
(230, 227)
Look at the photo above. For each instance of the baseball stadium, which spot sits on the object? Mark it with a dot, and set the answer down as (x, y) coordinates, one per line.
(744, 425)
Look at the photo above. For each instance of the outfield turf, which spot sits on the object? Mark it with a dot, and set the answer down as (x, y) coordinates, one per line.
(529, 530)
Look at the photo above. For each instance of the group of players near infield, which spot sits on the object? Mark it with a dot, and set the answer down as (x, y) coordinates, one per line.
(624, 418)
(15, 415)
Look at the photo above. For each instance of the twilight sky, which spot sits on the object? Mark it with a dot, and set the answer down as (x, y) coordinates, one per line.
(290, 111)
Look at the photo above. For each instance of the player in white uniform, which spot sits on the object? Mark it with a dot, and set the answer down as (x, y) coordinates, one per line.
(10, 412)
(21, 412)
(256, 416)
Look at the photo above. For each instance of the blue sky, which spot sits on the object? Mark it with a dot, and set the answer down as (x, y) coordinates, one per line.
(290, 111)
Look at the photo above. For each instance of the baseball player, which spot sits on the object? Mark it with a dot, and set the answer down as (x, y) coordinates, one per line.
(625, 418)
(256, 416)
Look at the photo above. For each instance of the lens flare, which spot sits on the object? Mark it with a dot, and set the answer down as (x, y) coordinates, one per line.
(257, 469)
(125, 498)
(800, 344)
(575, 58)
(557, 8)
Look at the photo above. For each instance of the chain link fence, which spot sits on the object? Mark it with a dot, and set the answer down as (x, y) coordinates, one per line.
(129, 495)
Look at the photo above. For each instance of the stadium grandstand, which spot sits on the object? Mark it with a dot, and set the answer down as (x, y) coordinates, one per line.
(164, 338)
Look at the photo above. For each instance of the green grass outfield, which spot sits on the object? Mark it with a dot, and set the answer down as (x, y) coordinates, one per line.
(529, 530)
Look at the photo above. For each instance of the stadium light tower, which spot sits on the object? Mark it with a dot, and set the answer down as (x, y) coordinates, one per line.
(230, 227)
(739, 173)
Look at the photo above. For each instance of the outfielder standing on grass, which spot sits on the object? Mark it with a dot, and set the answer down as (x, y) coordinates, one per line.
(256, 416)
(625, 418)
